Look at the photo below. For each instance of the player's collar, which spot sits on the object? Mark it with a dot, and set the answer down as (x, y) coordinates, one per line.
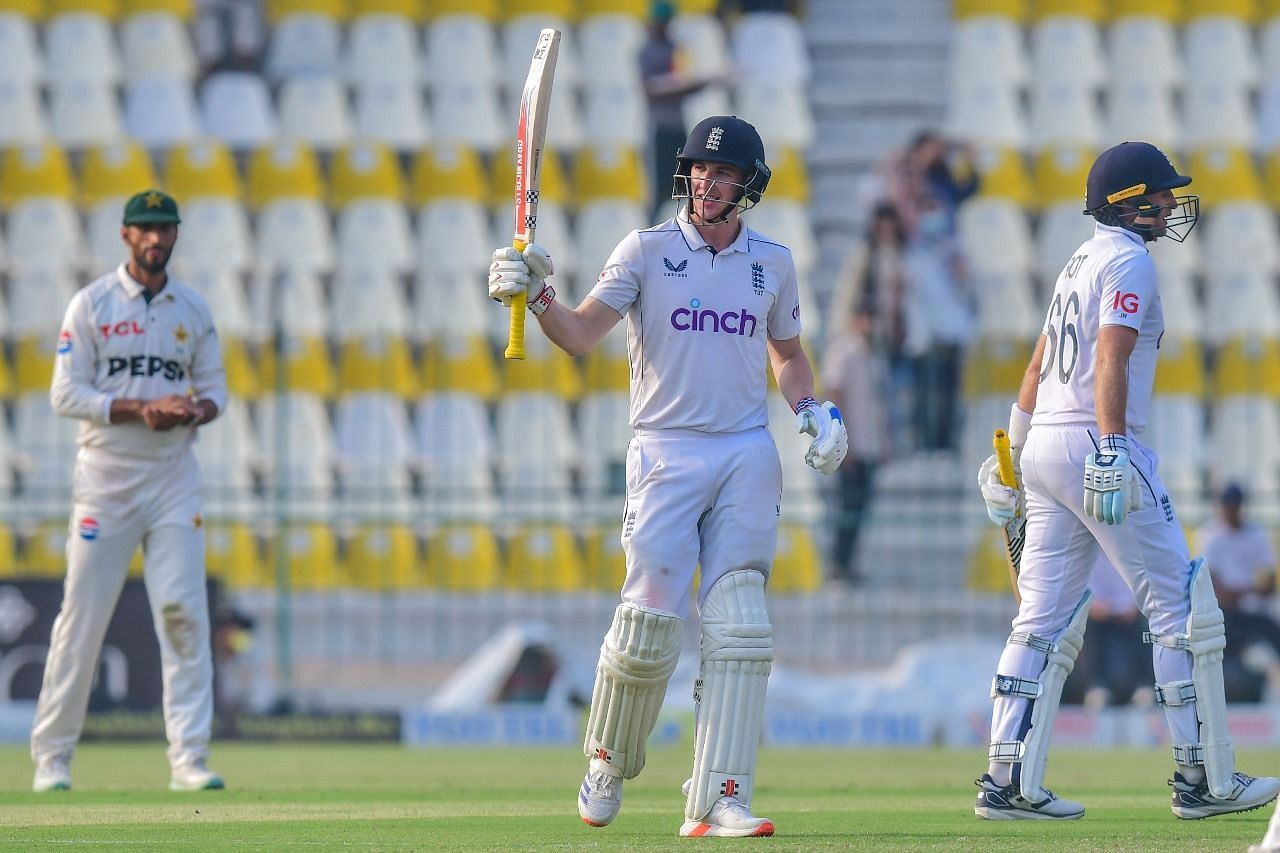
(1116, 229)
(134, 288)
(695, 240)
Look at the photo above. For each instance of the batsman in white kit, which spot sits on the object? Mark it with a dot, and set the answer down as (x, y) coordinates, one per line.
(139, 364)
(710, 304)
(1088, 483)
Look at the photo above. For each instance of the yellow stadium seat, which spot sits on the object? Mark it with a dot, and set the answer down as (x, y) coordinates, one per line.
(797, 566)
(1013, 9)
(44, 553)
(544, 558)
(8, 552)
(1181, 367)
(34, 9)
(111, 171)
(1247, 366)
(307, 367)
(487, 9)
(1169, 10)
(377, 364)
(1268, 10)
(606, 370)
(503, 181)
(242, 379)
(697, 7)
(1003, 175)
(109, 9)
(411, 9)
(988, 568)
(1223, 174)
(460, 363)
(231, 555)
(33, 362)
(310, 555)
(551, 370)
(1245, 10)
(284, 169)
(184, 9)
(7, 385)
(364, 170)
(37, 170)
(562, 9)
(633, 8)
(606, 562)
(1060, 175)
(448, 171)
(279, 9)
(995, 365)
(1092, 9)
(385, 557)
(203, 168)
(1271, 179)
(463, 557)
(609, 173)
(790, 178)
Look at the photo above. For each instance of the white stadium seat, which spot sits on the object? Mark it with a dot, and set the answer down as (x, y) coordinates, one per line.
(701, 39)
(290, 303)
(304, 44)
(1144, 49)
(228, 455)
(314, 109)
(1217, 114)
(987, 50)
(1218, 49)
(602, 223)
(38, 299)
(85, 113)
(1241, 237)
(771, 46)
(1269, 115)
(1183, 314)
(293, 233)
(392, 112)
(375, 232)
(215, 235)
(455, 441)
(161, 113)
(787, 222)
(610, 46)
(103, 245)
(44, 233)
(20, 59)
(1241, 303)
(468, 113)
(1008, 308)
(80, 46)
(1062, 228)
(382, 49)
(1241, 433)
(780, 111)
(156, 45)
(47, 446)
(228, 302)
(606, 434)
(236, 109)
(986, 114)
(995, 236)
(1067, 49)
(368, 303)
(615, 114)
(1176, 432)
(1137, 109)
(1064, 113)
(375, 453)
(1269, 45)
(298, 451)
(24, 120)
(462, 49)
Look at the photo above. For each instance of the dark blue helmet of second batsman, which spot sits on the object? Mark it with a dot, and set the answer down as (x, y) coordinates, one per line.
(724, 139)
(1121, 183)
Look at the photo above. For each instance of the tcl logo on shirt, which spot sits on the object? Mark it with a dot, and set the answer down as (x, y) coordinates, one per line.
(1127, 302)
(121, 329)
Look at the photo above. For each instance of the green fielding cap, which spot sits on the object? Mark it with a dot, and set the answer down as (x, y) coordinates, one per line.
(151, 206)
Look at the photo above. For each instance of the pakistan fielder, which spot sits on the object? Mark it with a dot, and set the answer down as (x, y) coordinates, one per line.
(707, 301)
(140, 366)
(1090, 483)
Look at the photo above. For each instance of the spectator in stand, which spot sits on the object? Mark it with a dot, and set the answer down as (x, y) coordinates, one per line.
(1243, 567)
(852, 374)
(932, 170)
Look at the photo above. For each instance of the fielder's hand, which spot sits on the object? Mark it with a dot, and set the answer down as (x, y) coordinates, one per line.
(1004, 503)
(1110, 487)
(830, 438)
(512, 272)
(165, 413)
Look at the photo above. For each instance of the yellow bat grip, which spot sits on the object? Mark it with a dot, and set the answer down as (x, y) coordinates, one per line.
(1004, 456)
(515, 333)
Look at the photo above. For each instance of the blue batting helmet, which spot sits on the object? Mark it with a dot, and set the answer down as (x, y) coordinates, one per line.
(725, 139)
(1121, 181)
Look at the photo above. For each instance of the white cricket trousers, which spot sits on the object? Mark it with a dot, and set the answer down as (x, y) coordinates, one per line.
(1149, 550)
(697, 499)
(119, 503)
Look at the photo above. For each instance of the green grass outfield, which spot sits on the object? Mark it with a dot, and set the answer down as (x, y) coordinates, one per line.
(348, 797)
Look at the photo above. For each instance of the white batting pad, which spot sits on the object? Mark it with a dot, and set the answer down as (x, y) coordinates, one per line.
(636, 660)
(737, 652)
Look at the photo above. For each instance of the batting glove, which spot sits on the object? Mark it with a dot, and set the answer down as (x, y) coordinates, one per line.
(830, 438)
(1004, 503)
(1109, 484)
(512, 272)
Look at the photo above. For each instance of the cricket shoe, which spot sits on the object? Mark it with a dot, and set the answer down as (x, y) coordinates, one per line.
(194, 776)
(1006, 802)
(600, 797)
(53, 773)
(728, 818)
(1192, 802)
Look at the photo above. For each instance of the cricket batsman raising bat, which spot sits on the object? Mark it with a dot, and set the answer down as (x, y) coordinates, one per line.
(531, 134)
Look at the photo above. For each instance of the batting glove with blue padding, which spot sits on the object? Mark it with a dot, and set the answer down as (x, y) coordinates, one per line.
(1109, 484)
(830, 438)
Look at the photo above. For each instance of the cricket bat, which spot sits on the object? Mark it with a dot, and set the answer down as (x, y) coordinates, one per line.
(531, 134)
(1015, 530)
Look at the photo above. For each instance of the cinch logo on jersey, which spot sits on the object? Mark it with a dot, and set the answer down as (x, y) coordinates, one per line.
(89, 528)
(146, 365)
(64, 342)
(1127, 302)
(121, 329)
(675, 270)
(697, 319)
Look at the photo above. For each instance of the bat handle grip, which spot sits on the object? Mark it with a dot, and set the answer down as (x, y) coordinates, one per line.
(1004, 457)
(515, 332)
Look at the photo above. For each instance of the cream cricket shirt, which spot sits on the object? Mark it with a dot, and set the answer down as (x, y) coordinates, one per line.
(697, 323)
(1110, 280)
(114, 343)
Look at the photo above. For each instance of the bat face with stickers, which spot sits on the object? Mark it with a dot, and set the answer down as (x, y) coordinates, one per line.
(531, 134)
(1014, 531)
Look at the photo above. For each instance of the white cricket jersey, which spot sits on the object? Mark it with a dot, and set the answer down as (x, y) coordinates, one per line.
(1110, 280)
(697, 322)
(114, 344)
